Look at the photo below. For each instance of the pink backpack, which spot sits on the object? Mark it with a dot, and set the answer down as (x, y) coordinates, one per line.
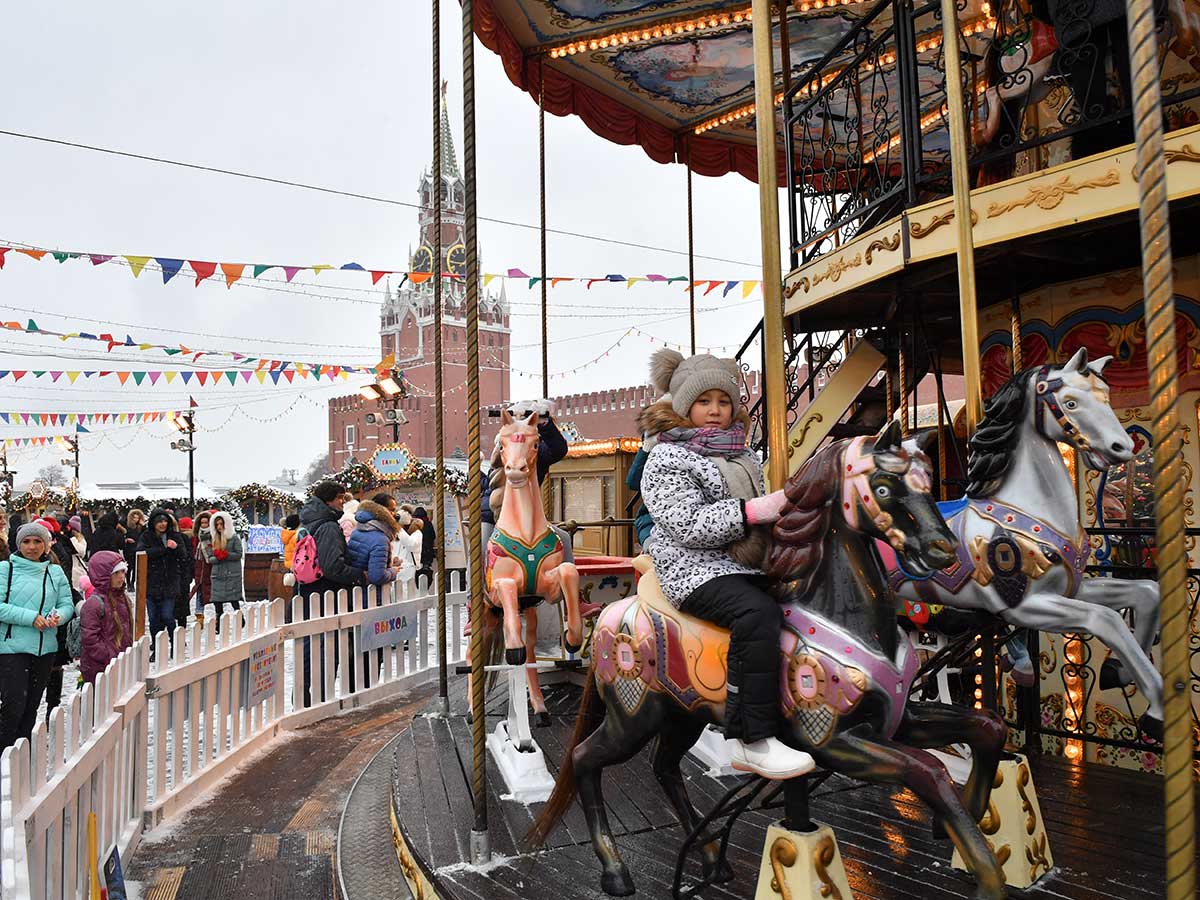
(304, 563)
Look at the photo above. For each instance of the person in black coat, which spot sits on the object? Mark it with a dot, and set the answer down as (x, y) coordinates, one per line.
(166, 557)
(104, 534)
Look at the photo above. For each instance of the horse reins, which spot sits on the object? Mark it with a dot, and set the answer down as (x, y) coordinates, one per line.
(1046, 390)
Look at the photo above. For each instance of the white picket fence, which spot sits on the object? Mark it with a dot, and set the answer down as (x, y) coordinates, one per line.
(150, 737)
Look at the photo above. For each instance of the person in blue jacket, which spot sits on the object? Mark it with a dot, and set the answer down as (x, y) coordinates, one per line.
(370, 544)
(36, 600)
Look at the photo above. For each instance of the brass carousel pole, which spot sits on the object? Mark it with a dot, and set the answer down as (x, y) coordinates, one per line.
(542, 220)
(768, 212)
(1170, 482)
(691, 251)
(480, 846)
(962, 214)
(439, 478)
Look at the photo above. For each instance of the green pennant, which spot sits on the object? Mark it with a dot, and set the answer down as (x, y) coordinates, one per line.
(39, 374)
(138, 376)
(171, 351)
(232, 376)
(32, 326)
(258, 270)
(677, 278)
(60, 256)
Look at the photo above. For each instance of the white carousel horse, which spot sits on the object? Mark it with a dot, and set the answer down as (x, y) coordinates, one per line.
(1022, 551)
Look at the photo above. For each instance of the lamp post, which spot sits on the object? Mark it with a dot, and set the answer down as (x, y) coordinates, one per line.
(186, 423)
(387, 388)
(72, 461)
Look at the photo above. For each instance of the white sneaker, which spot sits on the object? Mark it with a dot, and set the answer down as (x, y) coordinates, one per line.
(770, 758)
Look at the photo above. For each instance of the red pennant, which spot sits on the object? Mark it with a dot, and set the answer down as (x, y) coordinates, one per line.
(202, 269)
(202, 377)
(375, 276)
(288, 373)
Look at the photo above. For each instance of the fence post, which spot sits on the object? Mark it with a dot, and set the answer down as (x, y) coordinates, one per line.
(139, 611)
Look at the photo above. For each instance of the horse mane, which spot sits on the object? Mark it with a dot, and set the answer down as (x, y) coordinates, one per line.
(799, 535)
(496, 482)
(991, 448)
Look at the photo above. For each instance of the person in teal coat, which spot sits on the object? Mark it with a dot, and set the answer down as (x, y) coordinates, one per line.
(35, 598)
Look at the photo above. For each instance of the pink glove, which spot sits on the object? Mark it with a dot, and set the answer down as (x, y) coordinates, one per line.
(765, 510)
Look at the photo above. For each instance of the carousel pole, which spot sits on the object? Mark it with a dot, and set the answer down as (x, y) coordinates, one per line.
(691, 251)
(547, 494)
(439, 478)
(1170, 482)
(1017, 356)
(768, 213)
(962, 214)
(480, 844)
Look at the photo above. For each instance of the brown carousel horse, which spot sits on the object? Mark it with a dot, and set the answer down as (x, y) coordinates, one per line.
(524, 563)
(845, 668)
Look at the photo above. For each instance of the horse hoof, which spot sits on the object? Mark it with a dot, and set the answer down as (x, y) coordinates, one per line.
(543, 719)
(514, 656)
(1110, 675)
(470, 717)
(1151, 727)
(617, 883)
(724, 873)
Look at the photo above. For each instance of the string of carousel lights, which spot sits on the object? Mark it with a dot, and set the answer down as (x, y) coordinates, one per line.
(659, 31)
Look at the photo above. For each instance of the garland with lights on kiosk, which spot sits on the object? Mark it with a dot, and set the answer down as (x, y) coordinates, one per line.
(357, 476)
(261, 497)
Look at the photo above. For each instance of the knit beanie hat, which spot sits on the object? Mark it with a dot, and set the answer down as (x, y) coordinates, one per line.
(34, 529)
(687, 379)
(76, 523)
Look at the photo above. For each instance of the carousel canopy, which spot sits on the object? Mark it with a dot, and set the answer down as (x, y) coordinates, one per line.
(676, 77)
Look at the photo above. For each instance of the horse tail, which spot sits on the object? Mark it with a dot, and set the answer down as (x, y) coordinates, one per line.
(591, 714)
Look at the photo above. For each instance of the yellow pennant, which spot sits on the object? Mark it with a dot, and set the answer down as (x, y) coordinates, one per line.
(72, 376)
(748, 288)
(317, 270)
(137, 263)
(262, 376)
(170, 376)
(487, 279)
(630, 282)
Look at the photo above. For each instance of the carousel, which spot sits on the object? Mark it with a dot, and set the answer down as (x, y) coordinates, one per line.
(991, 632)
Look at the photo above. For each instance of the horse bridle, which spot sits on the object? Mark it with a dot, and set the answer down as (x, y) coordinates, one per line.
(1046, 389)
(856, 486)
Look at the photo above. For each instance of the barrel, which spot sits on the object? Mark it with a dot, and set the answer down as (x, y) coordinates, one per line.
(256, 574)
(275, 585)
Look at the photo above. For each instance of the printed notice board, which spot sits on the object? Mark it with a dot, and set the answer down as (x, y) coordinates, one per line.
(266, 667)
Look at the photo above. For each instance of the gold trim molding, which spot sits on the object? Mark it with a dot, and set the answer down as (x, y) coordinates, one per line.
(1050, 196)
(919, 231)
(889, 243)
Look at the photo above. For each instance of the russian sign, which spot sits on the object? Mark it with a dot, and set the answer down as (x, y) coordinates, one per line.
(385, 626)
(266, 667)
(392, 462)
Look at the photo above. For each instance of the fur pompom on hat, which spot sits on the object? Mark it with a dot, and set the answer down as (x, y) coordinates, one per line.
(687, 379)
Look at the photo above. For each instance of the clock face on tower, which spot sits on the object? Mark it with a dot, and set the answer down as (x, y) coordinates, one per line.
(422, 260)
(456, 260)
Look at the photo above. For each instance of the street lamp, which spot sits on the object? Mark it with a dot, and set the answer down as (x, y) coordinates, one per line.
(388, 386)
(73, 460)
(186, 423)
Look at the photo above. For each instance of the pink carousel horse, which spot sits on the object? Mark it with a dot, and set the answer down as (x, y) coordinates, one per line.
(524, 564)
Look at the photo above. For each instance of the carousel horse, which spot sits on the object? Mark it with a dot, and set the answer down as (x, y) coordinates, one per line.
(845, 669)
(1021, 550)
(524, 564)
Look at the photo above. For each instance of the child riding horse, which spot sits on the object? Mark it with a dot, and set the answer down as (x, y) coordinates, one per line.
(704, 490)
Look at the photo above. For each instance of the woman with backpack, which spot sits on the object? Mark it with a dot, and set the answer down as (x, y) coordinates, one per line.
(224, 554)
(106, 623)
(37, 599)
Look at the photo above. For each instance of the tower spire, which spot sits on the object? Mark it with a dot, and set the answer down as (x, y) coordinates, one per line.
(449, 163)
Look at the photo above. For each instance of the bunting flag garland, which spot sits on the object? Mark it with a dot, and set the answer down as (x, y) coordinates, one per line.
(234, 272)
(204, 376)
(128, 343)
(78, 419)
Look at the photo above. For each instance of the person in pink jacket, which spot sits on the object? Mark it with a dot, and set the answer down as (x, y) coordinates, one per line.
(107, 623)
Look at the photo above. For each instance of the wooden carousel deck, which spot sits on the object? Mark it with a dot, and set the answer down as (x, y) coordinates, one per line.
(1105, 827)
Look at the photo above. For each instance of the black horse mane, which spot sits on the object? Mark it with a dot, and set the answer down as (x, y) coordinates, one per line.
(994, 442)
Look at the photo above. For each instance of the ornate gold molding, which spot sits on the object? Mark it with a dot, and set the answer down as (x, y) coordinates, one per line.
(919, 231)
(838, 268)
(1183, 154)
(1026, 805)
(783, 854)
(1048, 197)
(889, 243)
(792, 288)
(822, 859)
(795, 442)
(1117, 285)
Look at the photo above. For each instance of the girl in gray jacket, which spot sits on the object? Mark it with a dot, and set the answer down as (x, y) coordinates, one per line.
(704, 490)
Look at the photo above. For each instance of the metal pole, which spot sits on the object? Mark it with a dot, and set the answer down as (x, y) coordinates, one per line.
(439, 476)
(192, 476)
(1017, 358)
(480, 849)
(542, 221)
(962, 214)
(1170, 483)
(691, 253)
(772, 280)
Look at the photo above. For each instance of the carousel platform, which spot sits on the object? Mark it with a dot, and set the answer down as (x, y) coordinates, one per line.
(1105, 827)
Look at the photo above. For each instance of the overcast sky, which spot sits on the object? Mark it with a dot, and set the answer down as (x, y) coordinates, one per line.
(329, 94)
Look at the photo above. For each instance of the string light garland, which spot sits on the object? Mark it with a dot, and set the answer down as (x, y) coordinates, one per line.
(661, 31)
